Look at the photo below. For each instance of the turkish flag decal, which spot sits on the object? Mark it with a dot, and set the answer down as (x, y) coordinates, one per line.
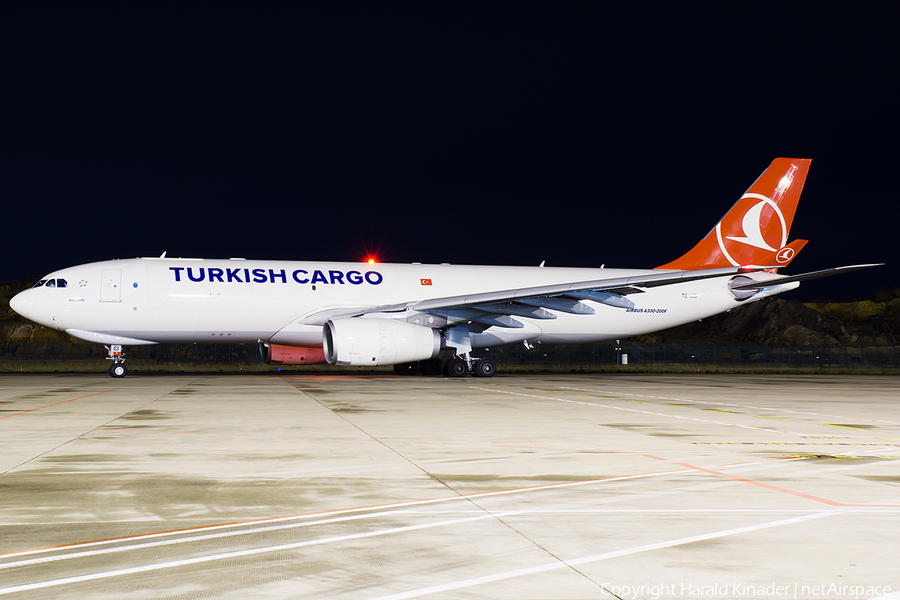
(425, 281)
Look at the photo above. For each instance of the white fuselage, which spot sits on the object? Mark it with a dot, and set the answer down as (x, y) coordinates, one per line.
(156, 300)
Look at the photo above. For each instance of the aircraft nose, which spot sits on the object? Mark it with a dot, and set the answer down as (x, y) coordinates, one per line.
(18, 303)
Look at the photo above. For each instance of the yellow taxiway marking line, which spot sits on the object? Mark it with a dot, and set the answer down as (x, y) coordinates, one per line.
(792, 444)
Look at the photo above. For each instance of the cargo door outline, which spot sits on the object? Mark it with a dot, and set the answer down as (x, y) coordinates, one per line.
(111, 285)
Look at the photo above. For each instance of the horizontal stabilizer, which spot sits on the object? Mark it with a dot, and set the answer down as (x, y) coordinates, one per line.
(802, 277)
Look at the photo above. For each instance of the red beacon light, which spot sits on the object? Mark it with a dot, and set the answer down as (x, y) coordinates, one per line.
(369, 256)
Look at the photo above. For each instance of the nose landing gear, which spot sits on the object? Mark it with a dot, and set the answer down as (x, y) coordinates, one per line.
(118, 370)
(117, 355)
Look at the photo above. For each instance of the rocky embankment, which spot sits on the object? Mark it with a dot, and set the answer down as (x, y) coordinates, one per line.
(769, 322)
(778, 322)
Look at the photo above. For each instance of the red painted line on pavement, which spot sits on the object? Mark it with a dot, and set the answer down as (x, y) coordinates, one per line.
(25, 412)
(763, 485)
(526, 447)
(653, 457)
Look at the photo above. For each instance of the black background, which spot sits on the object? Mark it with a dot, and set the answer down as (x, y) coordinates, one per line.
(577, 133)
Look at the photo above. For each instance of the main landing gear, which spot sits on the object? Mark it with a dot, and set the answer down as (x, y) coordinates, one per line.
(117, 355)
(458, 366)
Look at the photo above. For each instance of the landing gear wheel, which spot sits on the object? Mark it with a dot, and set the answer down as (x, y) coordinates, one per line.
(457, 367)
(430, 367)
(410, 368)
(118, 370)
(485, 368)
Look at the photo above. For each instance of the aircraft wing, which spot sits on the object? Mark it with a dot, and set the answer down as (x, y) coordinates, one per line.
(578, 289)
(498, 307)
(501, 306)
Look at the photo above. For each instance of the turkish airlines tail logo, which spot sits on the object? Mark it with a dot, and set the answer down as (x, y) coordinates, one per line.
(752, 225)
(760, 227)
(756, 228)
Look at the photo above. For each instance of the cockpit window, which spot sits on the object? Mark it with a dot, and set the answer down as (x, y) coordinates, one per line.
(51, 283)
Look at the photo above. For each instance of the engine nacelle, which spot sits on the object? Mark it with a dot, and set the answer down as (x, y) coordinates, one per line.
(275, 354)
(370, 342)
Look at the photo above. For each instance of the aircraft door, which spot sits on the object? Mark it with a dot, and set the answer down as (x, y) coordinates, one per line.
(111, 285)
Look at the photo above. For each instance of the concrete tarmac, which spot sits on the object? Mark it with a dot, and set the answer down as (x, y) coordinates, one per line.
(521, 486)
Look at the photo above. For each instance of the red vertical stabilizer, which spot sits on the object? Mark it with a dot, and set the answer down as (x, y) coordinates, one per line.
(757, 226)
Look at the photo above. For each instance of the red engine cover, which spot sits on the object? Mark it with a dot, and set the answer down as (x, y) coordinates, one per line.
(294, 355)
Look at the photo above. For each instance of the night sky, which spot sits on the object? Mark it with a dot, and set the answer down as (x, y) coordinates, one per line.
(577, 133)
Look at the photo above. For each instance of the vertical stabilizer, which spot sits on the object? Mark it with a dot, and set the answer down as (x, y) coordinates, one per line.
(757, 226)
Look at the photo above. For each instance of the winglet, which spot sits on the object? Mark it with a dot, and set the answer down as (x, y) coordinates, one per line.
(757, 226)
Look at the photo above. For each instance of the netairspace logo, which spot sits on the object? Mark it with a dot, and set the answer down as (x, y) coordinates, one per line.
(794, 591)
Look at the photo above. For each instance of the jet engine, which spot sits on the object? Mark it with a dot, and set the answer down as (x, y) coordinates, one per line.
(275, 354)
(369, 342)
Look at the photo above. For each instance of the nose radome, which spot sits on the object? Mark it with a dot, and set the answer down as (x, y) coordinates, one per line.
(19, 303)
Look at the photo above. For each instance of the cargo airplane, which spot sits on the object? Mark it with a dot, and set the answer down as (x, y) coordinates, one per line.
(405, 314)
